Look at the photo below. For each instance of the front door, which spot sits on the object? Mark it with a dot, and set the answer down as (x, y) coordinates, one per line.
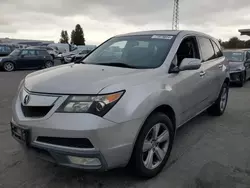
(190, 85)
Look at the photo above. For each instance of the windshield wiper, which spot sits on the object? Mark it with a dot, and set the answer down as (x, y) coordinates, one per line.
(118, 64)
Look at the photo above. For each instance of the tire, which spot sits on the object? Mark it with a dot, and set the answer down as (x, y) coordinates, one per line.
(242, 79)
(48, 64)
(8, 66)
(140, 160)
(218, 108)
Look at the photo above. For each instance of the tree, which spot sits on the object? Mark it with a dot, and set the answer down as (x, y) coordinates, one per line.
(234, 43)
(77, 36)
(72, 36)
(64, 37)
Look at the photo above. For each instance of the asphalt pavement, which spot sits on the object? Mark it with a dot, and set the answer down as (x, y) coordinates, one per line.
(208, 152)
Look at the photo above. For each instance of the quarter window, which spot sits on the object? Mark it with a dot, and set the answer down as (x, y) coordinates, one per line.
(217, 51)
(207, 50)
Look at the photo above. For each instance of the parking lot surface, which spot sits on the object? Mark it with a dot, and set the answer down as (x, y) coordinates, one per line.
(208, 152)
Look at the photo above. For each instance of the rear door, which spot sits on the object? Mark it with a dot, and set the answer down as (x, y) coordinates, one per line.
(211, 65)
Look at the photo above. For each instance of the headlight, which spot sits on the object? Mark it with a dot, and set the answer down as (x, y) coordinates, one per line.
(96, 104)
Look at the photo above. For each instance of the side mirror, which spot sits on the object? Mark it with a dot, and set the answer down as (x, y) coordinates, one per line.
(190, 64)
(22, 55)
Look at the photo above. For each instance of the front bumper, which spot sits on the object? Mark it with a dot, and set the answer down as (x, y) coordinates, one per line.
(112, 143)
(236, 76)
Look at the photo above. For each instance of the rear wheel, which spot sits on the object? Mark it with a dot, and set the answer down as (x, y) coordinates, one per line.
(218, 108)
(48, 64)
(9, 66)
(153, 145)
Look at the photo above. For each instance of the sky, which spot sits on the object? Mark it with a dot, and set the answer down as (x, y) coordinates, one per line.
(102, 19)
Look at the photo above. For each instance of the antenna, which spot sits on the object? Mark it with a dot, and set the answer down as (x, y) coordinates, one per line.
(175, 22)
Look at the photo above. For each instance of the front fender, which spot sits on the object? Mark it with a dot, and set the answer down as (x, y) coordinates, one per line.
(140, 100)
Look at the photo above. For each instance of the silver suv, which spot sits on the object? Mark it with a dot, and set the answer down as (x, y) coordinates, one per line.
(116, 109)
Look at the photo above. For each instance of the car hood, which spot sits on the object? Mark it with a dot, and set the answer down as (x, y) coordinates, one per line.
(233, 65)
(6, 57)
(81, 78)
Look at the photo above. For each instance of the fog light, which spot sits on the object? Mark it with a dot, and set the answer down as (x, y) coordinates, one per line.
(84, 161)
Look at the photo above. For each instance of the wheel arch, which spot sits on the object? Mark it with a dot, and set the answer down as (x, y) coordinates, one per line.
(165, 109)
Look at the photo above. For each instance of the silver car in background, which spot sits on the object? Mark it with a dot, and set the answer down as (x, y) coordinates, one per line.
(113, 110)
(239, 65)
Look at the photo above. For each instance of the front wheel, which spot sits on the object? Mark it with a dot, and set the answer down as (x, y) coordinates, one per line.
(153, 145)
(218, 108)
(242, 79)
(9, 66)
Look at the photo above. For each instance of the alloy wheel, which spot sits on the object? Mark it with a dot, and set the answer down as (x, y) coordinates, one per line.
(48, 64)
(155, 146)
(9, 66)
(223, 100)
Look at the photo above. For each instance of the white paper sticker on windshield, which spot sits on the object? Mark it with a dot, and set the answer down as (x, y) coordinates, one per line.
(166, 37)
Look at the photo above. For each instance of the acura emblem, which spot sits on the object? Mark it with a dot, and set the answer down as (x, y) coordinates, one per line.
(26, 99)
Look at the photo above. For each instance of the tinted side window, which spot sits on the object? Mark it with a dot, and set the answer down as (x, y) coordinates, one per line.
(42, 52)
(217, 51)
(207, 50)
(5, 49)
(32, 52)
(24, 52)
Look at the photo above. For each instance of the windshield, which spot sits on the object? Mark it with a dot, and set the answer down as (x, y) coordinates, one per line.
(15, 52)
(234, 56)
(145, 51)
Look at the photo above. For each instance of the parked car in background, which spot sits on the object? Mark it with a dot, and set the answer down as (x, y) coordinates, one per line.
(76, 54)
(111, 110)
(5, 50)
(50, 50)
(63, 47)
(239, 65)
(26, 59)
(76, 57)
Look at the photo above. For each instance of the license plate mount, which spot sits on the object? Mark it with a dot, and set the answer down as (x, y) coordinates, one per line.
(20, 133)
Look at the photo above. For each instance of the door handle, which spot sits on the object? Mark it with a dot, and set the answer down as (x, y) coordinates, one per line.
(220, 66)
(202, 73)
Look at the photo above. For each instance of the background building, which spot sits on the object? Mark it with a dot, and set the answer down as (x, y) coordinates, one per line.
(24, 42)
(244, 32)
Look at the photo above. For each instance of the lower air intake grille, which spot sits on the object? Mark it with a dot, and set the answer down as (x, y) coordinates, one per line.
(68, 142)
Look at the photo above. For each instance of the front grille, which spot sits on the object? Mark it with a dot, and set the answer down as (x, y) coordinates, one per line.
(35, 111)
(68, 142)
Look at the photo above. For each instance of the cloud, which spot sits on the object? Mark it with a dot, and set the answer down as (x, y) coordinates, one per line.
(102, 19)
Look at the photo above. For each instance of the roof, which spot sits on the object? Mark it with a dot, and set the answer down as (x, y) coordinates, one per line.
(153, 32)
(163, 32)
(166, 32)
